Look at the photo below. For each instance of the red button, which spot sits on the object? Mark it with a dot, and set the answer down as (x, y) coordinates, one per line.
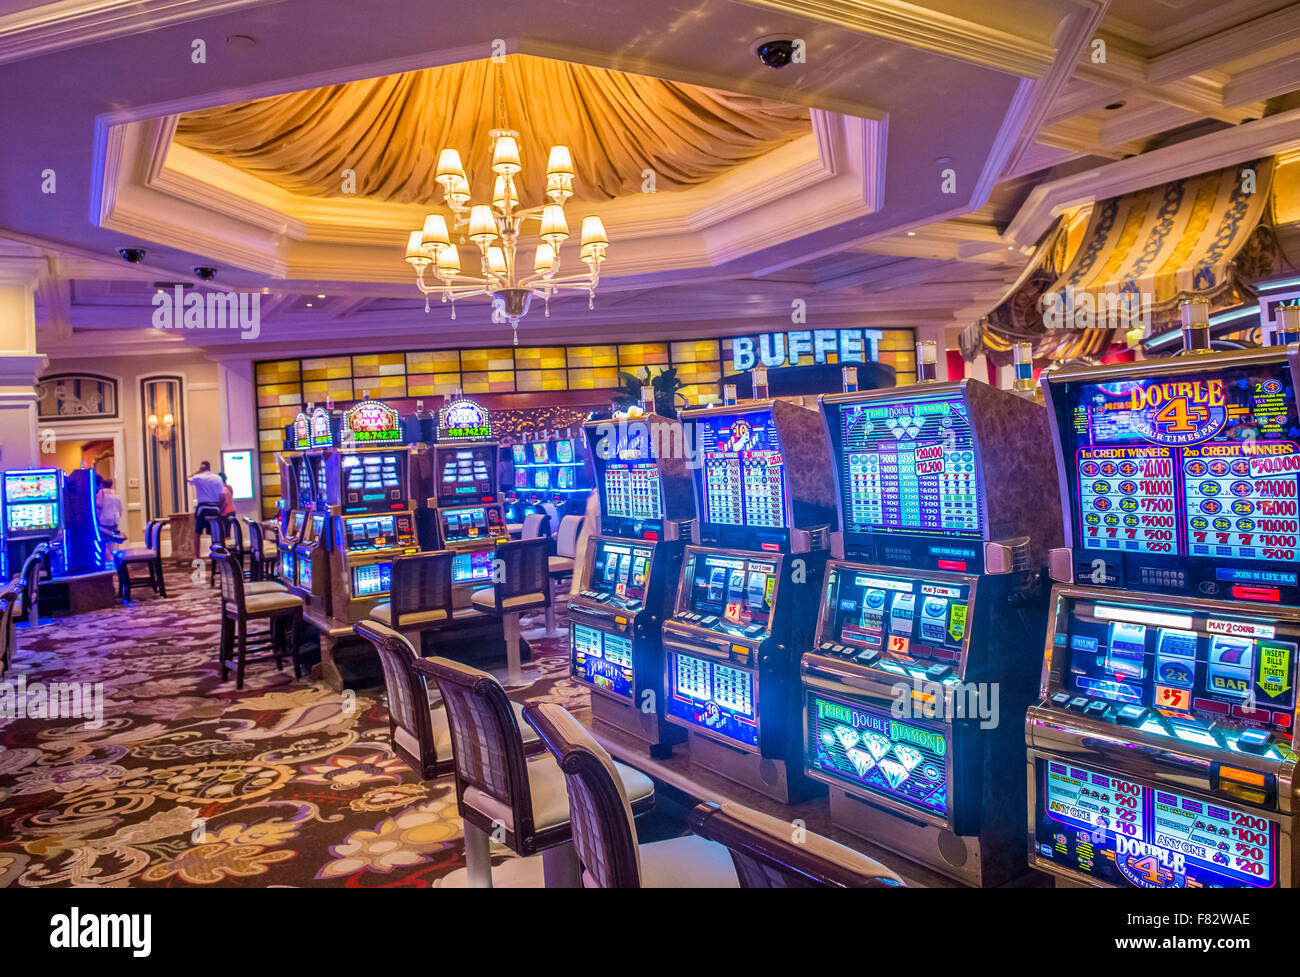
(1282, 719)
(958, 565)
(1241, 712)
(1256, 593)
(1209, 705)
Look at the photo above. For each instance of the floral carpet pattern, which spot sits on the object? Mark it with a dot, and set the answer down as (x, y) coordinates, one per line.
(190, 783)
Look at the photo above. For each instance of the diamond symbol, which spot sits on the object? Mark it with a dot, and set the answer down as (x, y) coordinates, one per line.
(895, 772)
(909, 756)
(877, 744)
(848, 736)
(862, 761)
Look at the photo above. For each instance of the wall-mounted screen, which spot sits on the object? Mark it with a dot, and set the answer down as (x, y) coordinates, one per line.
(868, 748)
(744, 478)
(736, 589)
(1128, 833)
(909, 467)
(713, 696)
(238, 466)
(602, 659)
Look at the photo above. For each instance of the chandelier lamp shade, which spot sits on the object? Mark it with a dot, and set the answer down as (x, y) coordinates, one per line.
(495, 230)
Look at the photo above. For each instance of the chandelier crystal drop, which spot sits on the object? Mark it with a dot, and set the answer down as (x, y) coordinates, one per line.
(495, 229)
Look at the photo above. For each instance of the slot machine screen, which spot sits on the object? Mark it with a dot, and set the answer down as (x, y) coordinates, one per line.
(1128, 833)
(909, 468)
(520, 453)
(713, 696)
(31, 517)
(541, 478)
(306, 481)
(31, 487)
(465, 472)
(1207, 673)
(602, 659)
(744, 476)
(737, 590)
(374, 480)
(521, 478)
(898, 615)
(316, 465)
(904, 761)
(1185, 484)
(317, 526)
(565, 478)
(372, 580)
(32, 501)
(564, 452)
(369, 533)
(633, 491)
(462, 524)
(620, 569)
(472, 567)
(299, 518)
(309, 528)
(541, 455)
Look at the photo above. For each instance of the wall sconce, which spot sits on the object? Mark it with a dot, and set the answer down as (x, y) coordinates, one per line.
(163, 431)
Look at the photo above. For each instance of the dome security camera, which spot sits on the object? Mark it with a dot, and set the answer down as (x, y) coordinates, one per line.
(776, 53)
(132, 255)
(205, 273)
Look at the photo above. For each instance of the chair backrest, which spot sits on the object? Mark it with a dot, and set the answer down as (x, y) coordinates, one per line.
(31, 583)
(8, 601)
(153, 534)
(566, 540)
(408, 695)
(235, 531)
(255, 540)
(600, 817)
(535, 525)
(485, 738)
(768, 856)
(420, 583)
(524, 578)
(232, 581)
(552, 518)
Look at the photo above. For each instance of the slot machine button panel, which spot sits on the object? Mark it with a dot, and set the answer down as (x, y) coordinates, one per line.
(1132, 715)
(1095, 709)
(826, 646)
(1061, 700)
(937, 673)
(868, 656)
(1255, 741)
(1078, 704)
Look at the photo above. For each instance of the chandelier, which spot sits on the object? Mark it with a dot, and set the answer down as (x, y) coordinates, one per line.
(495, 228)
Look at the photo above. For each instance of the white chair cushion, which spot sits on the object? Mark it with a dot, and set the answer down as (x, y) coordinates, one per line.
(559, 564)
(136, 553)
(485, 599)
(261, 603)
(253, 588)
(551, 794)
(383, 613)
(691, 862)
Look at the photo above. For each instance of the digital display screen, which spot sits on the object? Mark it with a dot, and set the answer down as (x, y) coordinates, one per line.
(744, 470)
(295, 530)
(1127, 833)
(372, 580)
(369, 533)
(311, 528)
(474, 522)
(564, 452)
(903, 616)
(565, 478)
(521, 478)
(1184, 662)
(868, 748)
(473, 567)
(633, 490)
(31, 517)
(1201, 467)
(909, 468)
(29, 486)
(465, 472)
(541, 478)
(540, 454)
(287, 563)
(602, 659)
(713, 696)
(520, 453)
(373, 479)
(735, 589)
(620, 569)
(306, 483)
(304, 572)
(238, 466)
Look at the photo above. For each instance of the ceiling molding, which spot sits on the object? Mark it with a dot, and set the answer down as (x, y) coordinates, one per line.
(1279, 27)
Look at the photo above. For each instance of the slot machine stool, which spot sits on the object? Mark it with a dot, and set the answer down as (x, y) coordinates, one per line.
(523, 584)
(282, 612)
(499, 788)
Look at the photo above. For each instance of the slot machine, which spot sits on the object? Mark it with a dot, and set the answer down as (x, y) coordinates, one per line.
(747, 595)
(84, 547)
(372, 521)
(33, 513)
(312, 562)
(1161, 752)
(629, 578)
(925, 654)
(288, 557)
(469, 517)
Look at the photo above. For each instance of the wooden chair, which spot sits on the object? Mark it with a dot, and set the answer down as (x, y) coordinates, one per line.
(561, 565)
(767, 856)
(603, 820)
(536, 524)
(260, 566)
(420, 595)
(521, 584)
(552, 518)
(501, 790)
(28, 610)
(416, 720)
(281, 610)
(149, 556)
(9, 598)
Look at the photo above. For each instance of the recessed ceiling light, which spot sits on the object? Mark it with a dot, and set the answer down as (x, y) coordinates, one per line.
(911, 233)
(309, 305)
(944, 159)
(320, 296)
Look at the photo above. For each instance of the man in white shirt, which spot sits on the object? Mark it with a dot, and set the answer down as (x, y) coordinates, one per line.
(108, 511)
(208, 489)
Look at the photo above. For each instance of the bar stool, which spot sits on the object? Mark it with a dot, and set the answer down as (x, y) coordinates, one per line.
(520, 583)
(9, 598)
(282, 612)
(535, 524)
(561, 564)
(420, 596)
(767, 857)
(149, 556)
(417, 722)
(260, 566)
(604, 832)
(499, 790)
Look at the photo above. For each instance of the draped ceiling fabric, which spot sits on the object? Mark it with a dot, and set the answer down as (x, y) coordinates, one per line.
(390, 130)
(1207, 236)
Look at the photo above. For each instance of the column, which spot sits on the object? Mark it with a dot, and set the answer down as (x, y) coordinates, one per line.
(20, 364)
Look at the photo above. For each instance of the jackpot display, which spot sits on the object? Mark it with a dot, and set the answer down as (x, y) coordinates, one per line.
(712, 696)
(869, 749)
(744, 478)
(1186, 479)
(1124, 832)
(910, 468)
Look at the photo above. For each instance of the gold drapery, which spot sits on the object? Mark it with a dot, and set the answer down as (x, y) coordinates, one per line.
(389, 130)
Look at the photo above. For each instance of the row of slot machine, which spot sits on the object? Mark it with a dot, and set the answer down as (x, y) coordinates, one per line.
(555, 470)
(950, 606)
(48, 505)
(359, 490)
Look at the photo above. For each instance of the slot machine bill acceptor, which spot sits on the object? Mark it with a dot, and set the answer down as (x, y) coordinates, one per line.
(925, 655)
(748, 592)
(629, 579)
(1161, 753)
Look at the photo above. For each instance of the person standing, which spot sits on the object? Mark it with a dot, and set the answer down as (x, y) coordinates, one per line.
(108, 511)
(227, 496)
(208, 490)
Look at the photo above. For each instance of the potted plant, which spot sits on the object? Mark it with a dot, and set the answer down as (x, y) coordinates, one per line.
(665, 385)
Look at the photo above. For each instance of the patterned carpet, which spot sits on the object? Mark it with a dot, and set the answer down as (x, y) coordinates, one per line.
(189, 782)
